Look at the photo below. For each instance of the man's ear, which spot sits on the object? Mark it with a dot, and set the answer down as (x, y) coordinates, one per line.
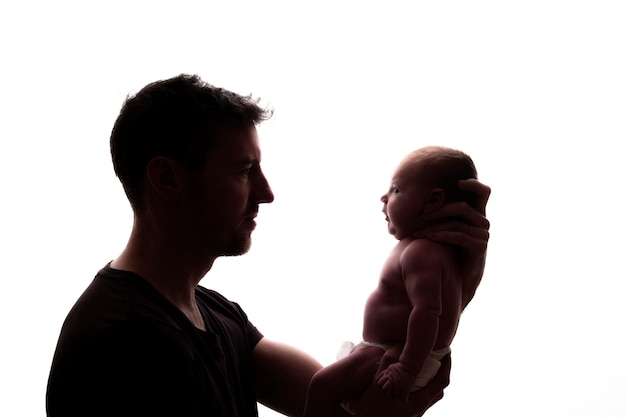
(435, 200)
(163, 175)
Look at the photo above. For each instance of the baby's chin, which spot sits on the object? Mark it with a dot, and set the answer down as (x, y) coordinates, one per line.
(414, 233)
(400, 235)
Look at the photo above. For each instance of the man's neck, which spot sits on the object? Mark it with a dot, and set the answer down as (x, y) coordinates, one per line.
(166, 265)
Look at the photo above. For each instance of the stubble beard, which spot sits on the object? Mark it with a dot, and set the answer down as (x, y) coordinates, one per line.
(238, 247)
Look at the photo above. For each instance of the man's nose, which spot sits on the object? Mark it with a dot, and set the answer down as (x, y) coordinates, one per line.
(264, 193)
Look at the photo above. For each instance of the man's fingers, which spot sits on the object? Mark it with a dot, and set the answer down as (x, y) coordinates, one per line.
(472, 244)
(481, 190)
(454, 226)
(392, 355)
(385, 361)
(460, 210)
(387, 387)
(432, 392)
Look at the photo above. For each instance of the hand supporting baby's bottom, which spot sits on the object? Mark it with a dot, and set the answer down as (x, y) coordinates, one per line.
(375, 403)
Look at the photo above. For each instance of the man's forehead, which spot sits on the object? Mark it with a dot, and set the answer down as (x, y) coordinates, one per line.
(236, 144)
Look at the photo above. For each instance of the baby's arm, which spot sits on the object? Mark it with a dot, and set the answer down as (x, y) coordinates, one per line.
(421, 268)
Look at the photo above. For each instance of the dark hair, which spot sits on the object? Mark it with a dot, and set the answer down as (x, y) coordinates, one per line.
(176, 118)
(442, 167)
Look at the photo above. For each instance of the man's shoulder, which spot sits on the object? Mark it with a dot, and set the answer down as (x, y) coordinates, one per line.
(118, 291)
(117, 301)
(218, 303)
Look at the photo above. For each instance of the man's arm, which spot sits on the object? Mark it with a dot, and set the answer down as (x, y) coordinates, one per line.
(469, 230)
(282, 376)
(375, 403)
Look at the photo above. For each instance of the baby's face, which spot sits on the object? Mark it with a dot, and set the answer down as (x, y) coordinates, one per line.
(404, 201)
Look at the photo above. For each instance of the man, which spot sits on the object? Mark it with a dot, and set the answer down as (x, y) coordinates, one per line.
(145, 338)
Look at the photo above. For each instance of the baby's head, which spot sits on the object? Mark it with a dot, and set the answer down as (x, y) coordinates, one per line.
(424, 180)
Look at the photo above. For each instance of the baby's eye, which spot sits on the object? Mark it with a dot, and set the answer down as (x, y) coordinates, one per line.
(395, 190)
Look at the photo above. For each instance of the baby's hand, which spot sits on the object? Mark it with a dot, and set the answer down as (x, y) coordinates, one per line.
(396, 381)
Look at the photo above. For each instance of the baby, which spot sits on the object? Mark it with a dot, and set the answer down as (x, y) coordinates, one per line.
(418, 301)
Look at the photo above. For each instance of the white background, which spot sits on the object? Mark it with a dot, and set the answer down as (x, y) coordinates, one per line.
(534, 91)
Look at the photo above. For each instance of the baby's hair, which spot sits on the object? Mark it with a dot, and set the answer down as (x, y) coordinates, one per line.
(442, 167)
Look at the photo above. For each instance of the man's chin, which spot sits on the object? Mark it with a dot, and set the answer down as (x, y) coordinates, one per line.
(238, 248)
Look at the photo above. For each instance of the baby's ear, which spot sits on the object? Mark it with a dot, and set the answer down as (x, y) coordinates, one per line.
(435, 200)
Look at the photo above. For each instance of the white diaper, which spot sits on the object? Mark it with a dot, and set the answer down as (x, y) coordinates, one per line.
(428, 372)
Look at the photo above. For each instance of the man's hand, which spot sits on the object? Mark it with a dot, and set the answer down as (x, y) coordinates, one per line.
(465, 226)
(375, 403)
(459, 223)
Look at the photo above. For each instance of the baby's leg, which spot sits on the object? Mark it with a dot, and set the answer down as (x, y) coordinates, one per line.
(343, 380)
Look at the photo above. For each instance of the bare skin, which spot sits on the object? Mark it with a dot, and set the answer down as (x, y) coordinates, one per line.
(415, 308)
(426, 272)
(416, 305)
(473, 243)
(191, 219)
(470, 234)
(196, 200)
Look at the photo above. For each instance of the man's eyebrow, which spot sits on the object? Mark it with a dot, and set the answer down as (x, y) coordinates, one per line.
(246, 161)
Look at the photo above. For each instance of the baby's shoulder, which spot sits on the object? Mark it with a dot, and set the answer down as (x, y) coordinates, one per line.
(427, 251)
(424, 245)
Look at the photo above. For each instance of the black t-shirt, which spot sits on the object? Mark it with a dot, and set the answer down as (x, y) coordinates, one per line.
(125, 350)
